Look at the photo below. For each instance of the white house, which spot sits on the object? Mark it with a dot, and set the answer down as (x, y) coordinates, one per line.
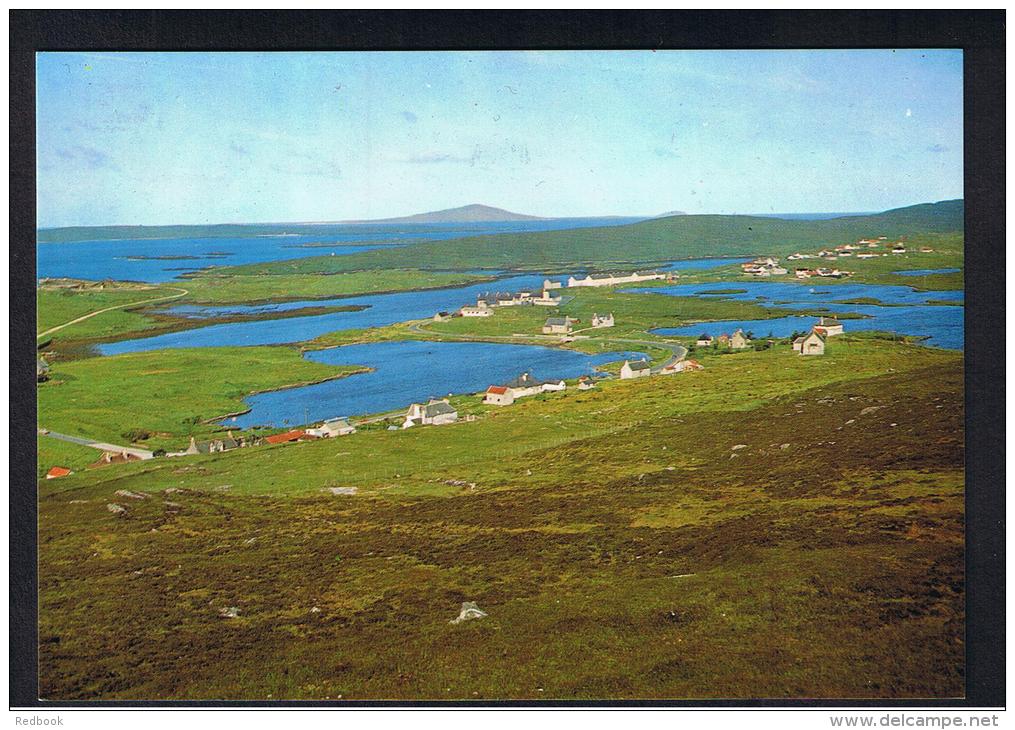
(332, 427)
(614, 279)
(704, 340)
(739, 340)
(475, 311)
(810, 344)
(524, 385)
(586, 383)
(829, 327)
(546, 299)
(605, 320)
(558, 326)
(636, 369)
(499, 395)
(434, 413)
(680, 367)
(547, 285)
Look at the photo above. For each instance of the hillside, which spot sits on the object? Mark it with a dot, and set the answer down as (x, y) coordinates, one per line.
(646, 242)
(474, 213)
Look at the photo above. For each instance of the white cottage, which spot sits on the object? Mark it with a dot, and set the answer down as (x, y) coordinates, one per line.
(605, 320)
(434, 413)
(558, 326)
(475, 311)
(810, 344)
(636, 369)
(499, 395)
(332, 427)
(829, 327)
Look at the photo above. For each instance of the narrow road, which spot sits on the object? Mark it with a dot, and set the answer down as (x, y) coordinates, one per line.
(100, 445)
(82, 318)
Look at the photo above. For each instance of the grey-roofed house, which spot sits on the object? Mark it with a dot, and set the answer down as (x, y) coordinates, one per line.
(557, 326)
(635, 369)
(829, 327)
(434, 413)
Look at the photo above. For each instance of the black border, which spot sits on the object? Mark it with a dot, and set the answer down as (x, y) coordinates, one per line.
(980, 34)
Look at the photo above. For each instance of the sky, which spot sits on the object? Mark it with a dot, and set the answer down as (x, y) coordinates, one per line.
(162, 138)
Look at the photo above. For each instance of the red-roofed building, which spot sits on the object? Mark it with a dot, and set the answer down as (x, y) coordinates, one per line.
(288, 437)
(499, 395)
(58, 471)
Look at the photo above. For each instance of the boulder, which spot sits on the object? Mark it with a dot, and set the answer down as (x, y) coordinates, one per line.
(469, 611)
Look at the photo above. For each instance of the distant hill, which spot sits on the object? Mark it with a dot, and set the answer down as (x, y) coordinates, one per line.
(465, 214)
(474, 213)
(669, 213)
(648, 242)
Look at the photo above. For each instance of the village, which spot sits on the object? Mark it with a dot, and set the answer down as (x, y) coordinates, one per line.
(865, 248)
(440, 411)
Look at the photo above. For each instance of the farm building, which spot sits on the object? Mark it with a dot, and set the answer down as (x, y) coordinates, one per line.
(108, 458)
(681, 367)
(525, 385)
(332, 427)
(434, 413)
(636, 369)
(558, 326)
(499, 395)
(614, 279)
(605, 320)
(586, 383)
(475, 311)
(546, 299)
(704, 340)
(287, 437)
(812, 343)
(739, 340)
(58, 471)
(829, 327)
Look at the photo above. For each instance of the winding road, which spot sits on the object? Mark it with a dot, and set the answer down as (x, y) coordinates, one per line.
(100, 445)
(82, 318)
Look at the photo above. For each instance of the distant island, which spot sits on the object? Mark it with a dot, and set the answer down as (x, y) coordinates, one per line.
(474, 213)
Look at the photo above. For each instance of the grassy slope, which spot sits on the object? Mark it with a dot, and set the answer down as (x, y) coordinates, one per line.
(166, 392)
(53, 452)
(656, 240)
(287, 282)
(831, 566)
(57, 306)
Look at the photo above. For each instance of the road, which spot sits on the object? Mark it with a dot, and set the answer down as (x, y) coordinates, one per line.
(100, 445)
(82, 318)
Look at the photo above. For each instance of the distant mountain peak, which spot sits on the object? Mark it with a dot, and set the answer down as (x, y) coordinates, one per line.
(472, 213)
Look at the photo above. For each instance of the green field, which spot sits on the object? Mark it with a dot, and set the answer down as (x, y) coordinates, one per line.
(773, 526)
(57, 306)
(285, 281)
(169, 393)
(53, 452)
